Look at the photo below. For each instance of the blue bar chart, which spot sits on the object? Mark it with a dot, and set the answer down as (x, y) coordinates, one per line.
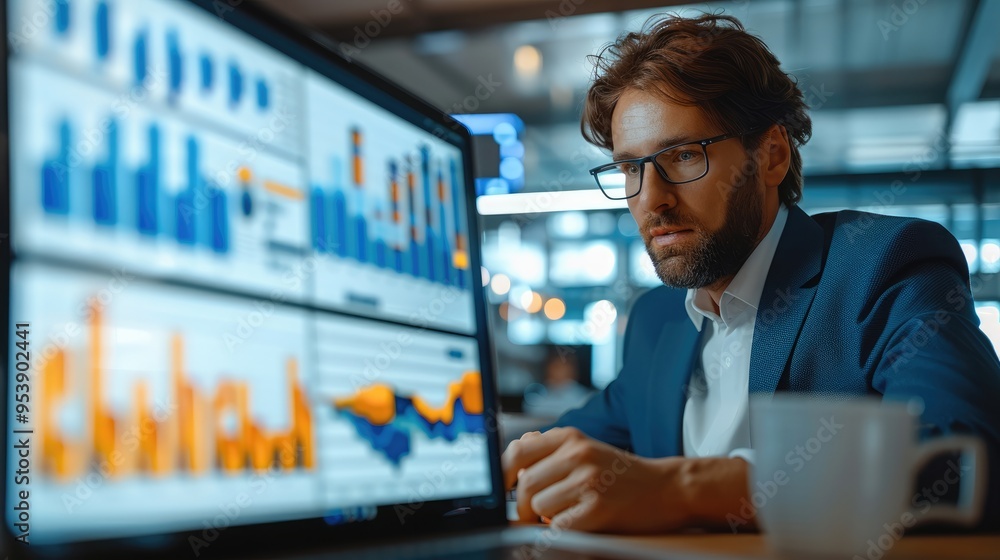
(62, 17)
(386, 215)
(150, 57)
(185, 220)
(173, 199)
(421, 249)
(102, 31)
(203, 150)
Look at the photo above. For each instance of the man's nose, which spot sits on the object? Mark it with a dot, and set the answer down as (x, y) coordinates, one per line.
(656, 194)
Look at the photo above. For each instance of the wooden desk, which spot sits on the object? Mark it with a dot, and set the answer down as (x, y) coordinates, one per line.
(913, 547)
(751, 546)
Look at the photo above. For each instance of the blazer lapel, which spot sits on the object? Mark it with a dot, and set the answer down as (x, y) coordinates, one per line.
(670, 373)
(788, 293)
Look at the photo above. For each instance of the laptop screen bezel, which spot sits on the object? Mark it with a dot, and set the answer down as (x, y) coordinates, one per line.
(327, 58)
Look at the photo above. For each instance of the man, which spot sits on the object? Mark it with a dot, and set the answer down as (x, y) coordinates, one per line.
(760, 297)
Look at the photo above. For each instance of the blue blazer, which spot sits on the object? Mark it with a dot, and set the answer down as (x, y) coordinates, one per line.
(854, 303)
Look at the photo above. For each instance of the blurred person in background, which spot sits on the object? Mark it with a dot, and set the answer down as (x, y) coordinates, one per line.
(561, 389)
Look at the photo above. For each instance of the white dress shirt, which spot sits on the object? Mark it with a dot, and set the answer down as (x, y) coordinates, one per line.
(717, 415)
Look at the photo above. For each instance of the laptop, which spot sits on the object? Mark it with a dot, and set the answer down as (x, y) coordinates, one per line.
(243, 298)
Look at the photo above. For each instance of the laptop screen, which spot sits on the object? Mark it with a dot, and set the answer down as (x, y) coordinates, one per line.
(244, 286)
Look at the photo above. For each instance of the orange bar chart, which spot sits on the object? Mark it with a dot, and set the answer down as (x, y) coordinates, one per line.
(198, 432)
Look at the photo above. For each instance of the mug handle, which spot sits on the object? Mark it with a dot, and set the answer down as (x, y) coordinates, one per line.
(973, 484)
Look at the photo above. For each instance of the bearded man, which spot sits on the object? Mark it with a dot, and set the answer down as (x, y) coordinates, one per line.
(704, 130)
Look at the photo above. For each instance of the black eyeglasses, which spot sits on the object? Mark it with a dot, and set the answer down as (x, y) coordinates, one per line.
(680, 163)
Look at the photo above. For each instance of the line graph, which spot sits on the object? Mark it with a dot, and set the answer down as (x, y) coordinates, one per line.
(386, 420)
(396, 406)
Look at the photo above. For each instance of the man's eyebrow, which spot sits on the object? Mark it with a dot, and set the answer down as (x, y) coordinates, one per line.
(662, 143)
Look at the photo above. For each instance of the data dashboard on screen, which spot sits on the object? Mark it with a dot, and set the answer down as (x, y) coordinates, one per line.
(241, 279)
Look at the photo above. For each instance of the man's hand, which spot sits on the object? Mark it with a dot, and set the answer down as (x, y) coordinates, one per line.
(586, 485)
(583, 484)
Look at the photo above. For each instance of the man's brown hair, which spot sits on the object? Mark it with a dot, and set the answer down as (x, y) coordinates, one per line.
(710, 62)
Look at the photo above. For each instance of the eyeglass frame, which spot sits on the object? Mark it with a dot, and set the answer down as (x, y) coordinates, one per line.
(641, 161)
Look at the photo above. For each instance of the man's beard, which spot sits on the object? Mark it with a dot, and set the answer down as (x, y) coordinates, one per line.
(715, 255)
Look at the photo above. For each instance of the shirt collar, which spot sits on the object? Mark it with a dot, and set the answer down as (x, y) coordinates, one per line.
(744, 291)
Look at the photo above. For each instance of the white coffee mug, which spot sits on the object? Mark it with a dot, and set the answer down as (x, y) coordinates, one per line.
(838, 478)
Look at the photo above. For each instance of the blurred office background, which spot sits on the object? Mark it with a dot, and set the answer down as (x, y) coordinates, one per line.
(905, 99)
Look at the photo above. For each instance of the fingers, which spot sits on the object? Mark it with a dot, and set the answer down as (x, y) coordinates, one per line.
(583, 516)
(509, 457)
(560, 495)
(524, 452)
(543, 474)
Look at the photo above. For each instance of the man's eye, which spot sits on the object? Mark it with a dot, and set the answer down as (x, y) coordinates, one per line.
(630, 169)
(686, 156)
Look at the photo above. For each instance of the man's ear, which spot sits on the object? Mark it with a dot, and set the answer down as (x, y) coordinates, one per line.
(777, 155)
